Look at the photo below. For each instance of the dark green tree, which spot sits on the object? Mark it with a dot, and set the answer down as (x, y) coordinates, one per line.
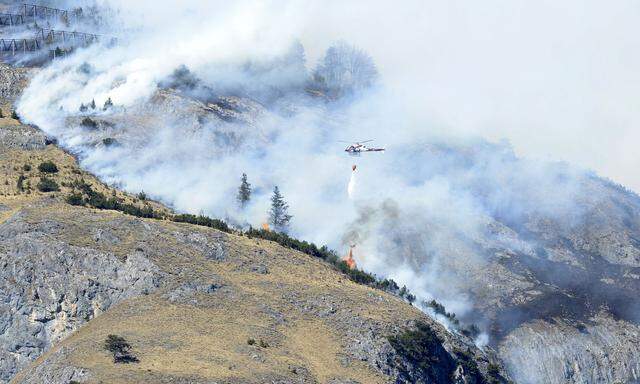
(93, 104)
(107, 104)
(244, 192)
(279, 217)
(120, 348)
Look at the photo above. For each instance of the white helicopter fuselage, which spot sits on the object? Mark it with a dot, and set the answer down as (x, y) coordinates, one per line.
(357, 149)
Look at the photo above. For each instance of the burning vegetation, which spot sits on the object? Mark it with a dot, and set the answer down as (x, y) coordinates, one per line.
(351, 262)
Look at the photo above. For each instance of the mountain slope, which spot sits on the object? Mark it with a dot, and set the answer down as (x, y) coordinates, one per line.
(188, 299)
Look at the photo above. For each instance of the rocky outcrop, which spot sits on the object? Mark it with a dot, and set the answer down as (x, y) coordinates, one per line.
(12, 82)
(63, 267)
(48, 287)
(604, 351)
(22, 137)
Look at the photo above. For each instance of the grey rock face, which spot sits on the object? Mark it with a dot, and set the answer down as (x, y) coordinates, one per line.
(12, 81)
(55, 371)
(20, 137)
(602, 352)
(48, 288)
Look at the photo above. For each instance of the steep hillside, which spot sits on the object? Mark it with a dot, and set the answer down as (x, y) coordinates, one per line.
(196, 305)
(551, 257)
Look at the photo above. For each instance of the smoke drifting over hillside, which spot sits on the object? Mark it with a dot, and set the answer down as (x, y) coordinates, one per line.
(427, 212)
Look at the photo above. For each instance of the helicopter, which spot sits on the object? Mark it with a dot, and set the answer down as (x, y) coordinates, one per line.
(355, 149)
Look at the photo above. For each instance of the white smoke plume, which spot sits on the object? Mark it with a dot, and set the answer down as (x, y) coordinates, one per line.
(423, 214)
(351, 187)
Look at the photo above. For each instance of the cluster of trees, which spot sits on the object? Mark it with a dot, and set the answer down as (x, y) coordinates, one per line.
(279, 217)
(92, 105)
(86, 195)
(345, 69)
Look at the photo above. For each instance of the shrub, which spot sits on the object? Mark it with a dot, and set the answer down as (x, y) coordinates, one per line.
(48, 167)
(100, 201)
(47, 185)
(109, 141)
(88, 122)
(75, 199)
(26, 167)
(263, 344)
(251, 341)
(14, 115)
(20, 183)
(142, 196)
(202, 221)
(120, 349)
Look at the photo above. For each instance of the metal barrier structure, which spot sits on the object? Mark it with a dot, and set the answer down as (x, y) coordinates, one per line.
(46, 38)
(34, 12)
(10, 19)
(56, 42)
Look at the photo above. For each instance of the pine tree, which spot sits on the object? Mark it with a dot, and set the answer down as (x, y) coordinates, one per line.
(244, 192)
(107, 104)
(278, 215)
(83, 108)
(93, 104)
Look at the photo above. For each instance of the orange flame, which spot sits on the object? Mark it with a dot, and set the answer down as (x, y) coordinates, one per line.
(265, 226)
(351, 262)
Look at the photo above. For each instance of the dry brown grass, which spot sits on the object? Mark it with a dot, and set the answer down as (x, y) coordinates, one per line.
(207, 341)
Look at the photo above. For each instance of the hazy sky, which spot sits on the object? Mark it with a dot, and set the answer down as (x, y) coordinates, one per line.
(559, 79)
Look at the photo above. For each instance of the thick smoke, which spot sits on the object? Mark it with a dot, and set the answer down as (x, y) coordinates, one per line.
(425, 213)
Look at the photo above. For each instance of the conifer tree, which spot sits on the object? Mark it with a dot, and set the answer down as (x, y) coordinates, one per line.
(107, 104)
(279, 217)
(244, 192)
(93, 104)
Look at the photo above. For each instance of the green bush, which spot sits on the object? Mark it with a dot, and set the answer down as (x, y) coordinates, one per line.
(202, 221)
(47, 185)
(14, 115)
(75, 199)
(26, 167)
(48, 167)
(100, 201)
